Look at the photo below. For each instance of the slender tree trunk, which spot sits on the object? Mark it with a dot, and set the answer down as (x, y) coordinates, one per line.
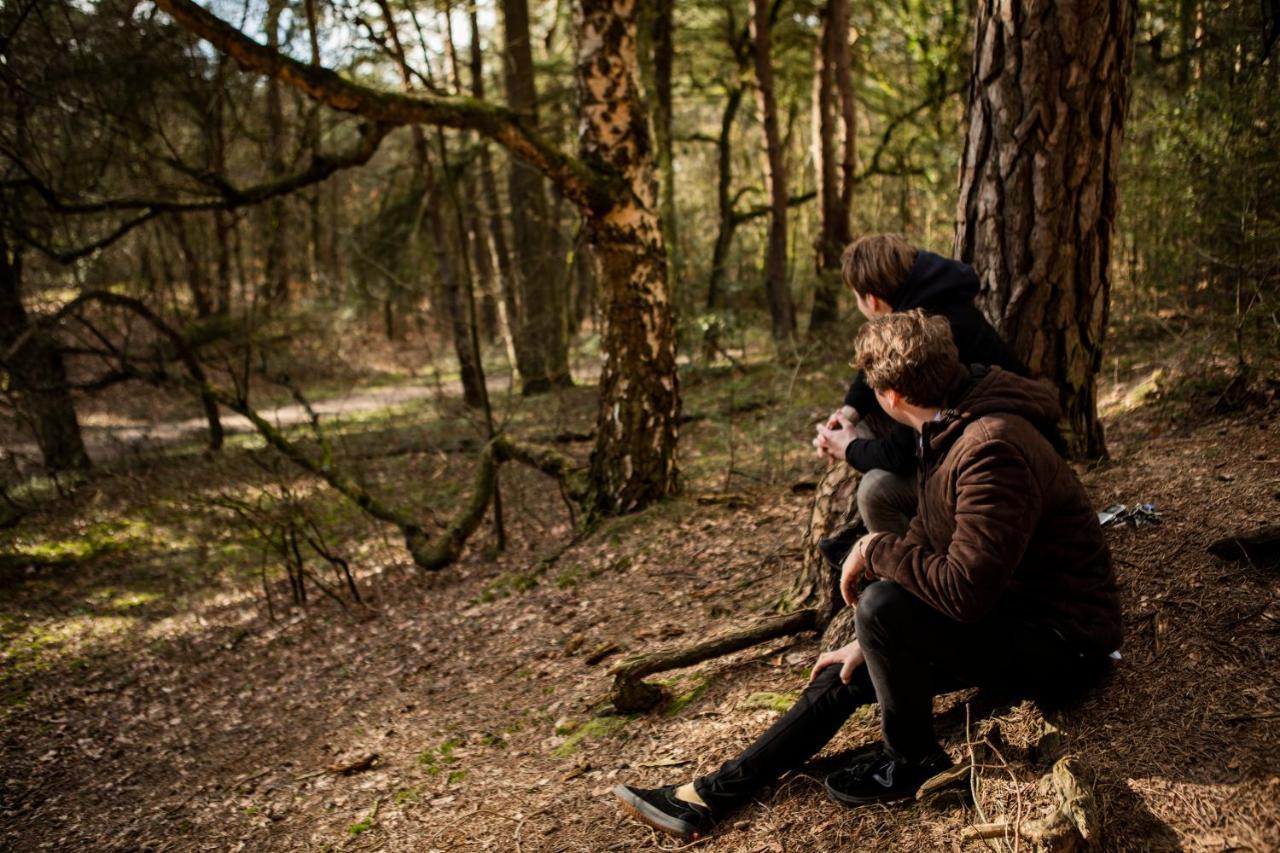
(495, 233)
(835, 156)
(277, 241)
(542, 348)
(36, 374)
(197, 281)
(633, 463)
(221, 219)
(468, 207)
(663, 55)
(726, 222)
(456, 287)
(781, 310)
(1047, 101)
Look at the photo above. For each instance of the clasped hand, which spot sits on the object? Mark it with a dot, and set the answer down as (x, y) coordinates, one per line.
(834, 436)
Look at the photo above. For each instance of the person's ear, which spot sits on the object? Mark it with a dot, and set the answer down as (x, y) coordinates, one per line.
(893, 398)
(878, 305)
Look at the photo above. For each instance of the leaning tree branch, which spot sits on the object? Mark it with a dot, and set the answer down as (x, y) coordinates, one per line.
(430, 553)
(631, 694)
(588, 186)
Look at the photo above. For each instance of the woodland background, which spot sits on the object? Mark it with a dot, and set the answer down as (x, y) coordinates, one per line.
(378, 378)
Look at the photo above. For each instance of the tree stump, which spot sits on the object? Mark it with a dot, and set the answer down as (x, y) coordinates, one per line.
(834, 508)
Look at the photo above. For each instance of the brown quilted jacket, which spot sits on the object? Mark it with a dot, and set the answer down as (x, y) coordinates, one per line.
(1004, 525)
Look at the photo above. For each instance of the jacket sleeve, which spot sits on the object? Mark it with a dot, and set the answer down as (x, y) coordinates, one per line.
(861, 397)
(997, 507)
(894, 452)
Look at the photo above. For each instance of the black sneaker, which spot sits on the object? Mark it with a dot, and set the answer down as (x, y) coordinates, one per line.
(884, 777)
(662, 809)
(836, 548)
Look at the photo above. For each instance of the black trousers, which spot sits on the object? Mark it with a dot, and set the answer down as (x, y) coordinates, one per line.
(913, 652)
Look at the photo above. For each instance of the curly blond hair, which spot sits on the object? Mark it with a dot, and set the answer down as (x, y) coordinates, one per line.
(910, 352)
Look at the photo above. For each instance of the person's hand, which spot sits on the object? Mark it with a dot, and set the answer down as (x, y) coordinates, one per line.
(848, 413)
(849, 658)
(832, 443)
(823, 447)
(854, 566)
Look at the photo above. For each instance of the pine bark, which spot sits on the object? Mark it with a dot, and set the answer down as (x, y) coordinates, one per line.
(633, 462)
(36, 374)
(1047, 101)
(781, 310)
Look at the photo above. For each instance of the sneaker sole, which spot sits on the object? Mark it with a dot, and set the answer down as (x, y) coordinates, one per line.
(654, 817)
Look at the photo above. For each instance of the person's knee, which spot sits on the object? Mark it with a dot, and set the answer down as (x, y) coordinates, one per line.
(883, 607)
(879, 501)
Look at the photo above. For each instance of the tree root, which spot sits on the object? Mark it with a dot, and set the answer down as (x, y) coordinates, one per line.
(631, 694)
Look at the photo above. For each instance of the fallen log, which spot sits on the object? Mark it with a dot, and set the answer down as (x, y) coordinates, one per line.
(1260, 546)
(631, 694)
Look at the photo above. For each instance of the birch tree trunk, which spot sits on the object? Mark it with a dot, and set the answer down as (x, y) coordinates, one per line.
(1047, 99)
(633, 462)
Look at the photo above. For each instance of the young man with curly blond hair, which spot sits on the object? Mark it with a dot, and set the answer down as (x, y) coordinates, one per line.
(1003, 580)
(886, 274)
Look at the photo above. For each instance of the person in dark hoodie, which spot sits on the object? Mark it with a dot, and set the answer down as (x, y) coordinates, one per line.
(886, 274)
(1003, 580)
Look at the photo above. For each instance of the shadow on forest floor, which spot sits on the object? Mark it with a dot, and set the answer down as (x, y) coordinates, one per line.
(153, 702)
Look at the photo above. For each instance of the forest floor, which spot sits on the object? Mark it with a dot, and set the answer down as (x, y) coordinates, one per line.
(160, 689)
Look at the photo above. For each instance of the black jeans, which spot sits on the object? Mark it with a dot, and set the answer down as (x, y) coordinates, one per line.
(912, 653)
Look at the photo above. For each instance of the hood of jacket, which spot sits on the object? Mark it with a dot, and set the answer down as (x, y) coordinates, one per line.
(980, 391)
(934, 281)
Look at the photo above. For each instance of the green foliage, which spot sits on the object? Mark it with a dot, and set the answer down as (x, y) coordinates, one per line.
(596, 727)
(440, 758)
(507, 584)
(780, 702)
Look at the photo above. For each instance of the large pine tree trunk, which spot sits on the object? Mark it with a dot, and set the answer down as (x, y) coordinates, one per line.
(633, 462)
(781, 310)
(541, 333)
(1047, 100)
(36, 374)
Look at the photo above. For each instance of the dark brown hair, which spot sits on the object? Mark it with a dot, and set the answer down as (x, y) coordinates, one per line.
(877, 264)
(910, 352)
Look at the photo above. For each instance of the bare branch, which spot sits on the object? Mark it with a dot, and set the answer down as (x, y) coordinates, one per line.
(588, 187)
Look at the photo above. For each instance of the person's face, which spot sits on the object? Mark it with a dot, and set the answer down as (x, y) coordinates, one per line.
(871, 306)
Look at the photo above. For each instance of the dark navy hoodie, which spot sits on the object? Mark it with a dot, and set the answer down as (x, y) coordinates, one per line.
(940, 286)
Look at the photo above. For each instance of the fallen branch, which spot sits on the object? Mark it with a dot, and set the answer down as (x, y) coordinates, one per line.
(631, 694)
